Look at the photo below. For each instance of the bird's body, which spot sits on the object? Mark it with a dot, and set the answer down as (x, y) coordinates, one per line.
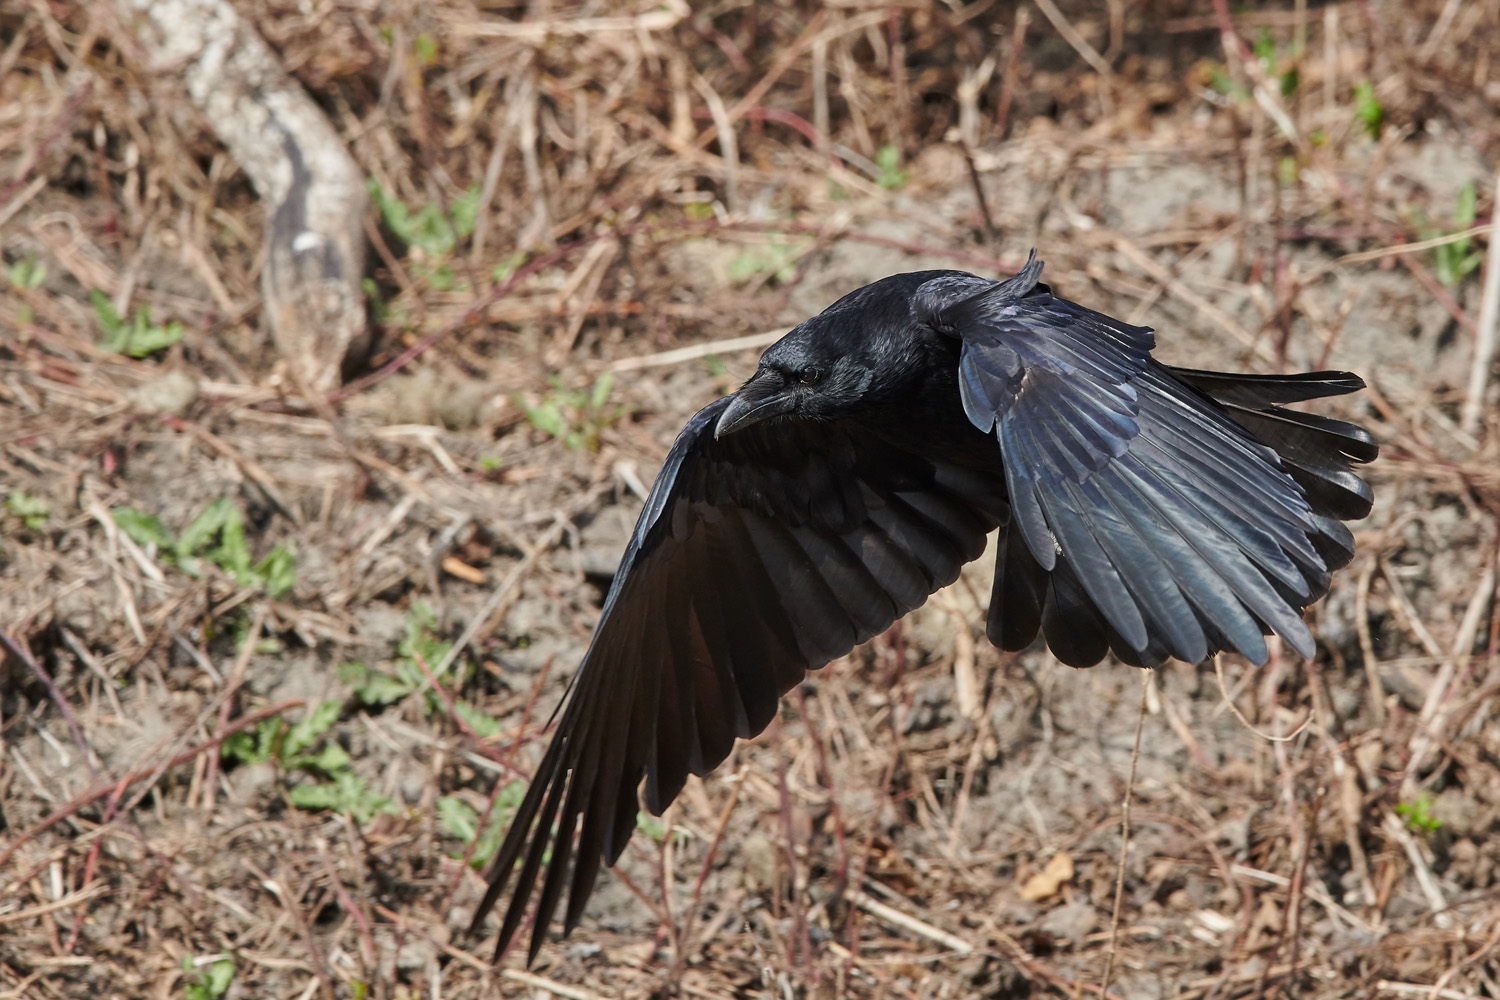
(1142, 509)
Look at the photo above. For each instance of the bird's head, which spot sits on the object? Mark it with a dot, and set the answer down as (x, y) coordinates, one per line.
(864, 348)
(810, 374)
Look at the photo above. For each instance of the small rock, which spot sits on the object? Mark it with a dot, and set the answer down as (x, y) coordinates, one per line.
(759, 863)
(1071, 922)
(170, 394)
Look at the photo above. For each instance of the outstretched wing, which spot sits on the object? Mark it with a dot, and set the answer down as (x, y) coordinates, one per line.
(1147, 519)
(757, 557)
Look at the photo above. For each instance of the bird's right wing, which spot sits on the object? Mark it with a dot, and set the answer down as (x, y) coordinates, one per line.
(757, 557)
(1145, 520)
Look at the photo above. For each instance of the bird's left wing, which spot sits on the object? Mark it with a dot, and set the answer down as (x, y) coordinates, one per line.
(757, 557)
(1145, 520)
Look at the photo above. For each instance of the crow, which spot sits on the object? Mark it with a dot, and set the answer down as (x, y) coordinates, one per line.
(1144, 510)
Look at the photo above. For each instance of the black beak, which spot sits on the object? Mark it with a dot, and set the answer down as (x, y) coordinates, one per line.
(761, 397)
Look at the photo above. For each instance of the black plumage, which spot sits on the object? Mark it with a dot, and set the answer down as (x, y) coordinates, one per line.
(1146, 510)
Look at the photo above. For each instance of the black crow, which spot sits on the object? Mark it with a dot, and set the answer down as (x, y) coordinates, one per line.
(1143, 510)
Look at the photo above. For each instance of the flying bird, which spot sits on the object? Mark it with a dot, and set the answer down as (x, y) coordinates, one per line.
(1144, 510)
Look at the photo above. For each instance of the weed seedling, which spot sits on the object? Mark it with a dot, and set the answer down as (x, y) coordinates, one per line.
(297, 747)
(1418, 815)
(1368, 110)
(32, 511)
(138, 337)
(574, 417)
(461, 820)
(217, 535)
(1452, 262)
(27, 273)
(212, 980)
(888, 159)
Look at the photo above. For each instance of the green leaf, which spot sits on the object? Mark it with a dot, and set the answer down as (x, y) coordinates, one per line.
(220, 975)
(331, 760)
(31, 510)
(213, 980)
(200, 533)
(460, 819)
(143, 529)
(509, 799)
(347, 792)
(1265, 50)
(137, 338)
(482, 724)
(419, 639)
(1220, 80)
(465, 210)
(546, 417)
(1368, 110)
(27, 273)
(232, 552)
(109, 319)
(602, 388)
(324, 795)
(1418, 814)
(424, 46)
(277, 572)
(383, 689)
(1466, 206)
(891, 176)
(146, 339)
(317, 722)
(254, 746)
(217, 534)
(508, 266)
(353, 673)
(1452, 262)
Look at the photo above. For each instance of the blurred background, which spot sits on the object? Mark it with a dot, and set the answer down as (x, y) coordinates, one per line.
(279, 655)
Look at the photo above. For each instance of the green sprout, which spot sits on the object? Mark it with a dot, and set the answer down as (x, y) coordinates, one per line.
(302, 746)
(212, 981)
(1454, 261)
(891, 176)
(461, 820)
(1418, 815)
(217, 536)
(27, 273)
(574, 417)
(428, 228)
(136, 338)
(1368, 110)
(31, 510)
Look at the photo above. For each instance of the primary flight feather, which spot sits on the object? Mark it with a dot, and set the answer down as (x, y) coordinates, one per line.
(1146, 510)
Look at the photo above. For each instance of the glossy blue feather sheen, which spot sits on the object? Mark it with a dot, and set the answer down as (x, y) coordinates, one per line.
(1145, 510)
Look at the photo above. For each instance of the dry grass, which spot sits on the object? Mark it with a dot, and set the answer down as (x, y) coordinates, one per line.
(928, 818)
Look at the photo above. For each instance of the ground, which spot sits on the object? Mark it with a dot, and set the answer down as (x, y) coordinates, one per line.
(270, 662)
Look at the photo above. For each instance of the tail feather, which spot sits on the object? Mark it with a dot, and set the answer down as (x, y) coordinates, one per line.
(1319, 452)
(1258, 390)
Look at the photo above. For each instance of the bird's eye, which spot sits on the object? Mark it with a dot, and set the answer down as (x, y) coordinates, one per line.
(810, 376)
